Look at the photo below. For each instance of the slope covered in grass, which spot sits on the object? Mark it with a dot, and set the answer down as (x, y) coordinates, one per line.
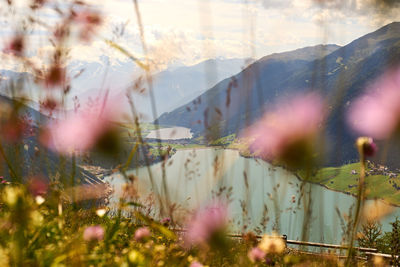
(380, 182)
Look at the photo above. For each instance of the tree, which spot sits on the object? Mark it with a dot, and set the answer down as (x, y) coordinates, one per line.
(370, 235)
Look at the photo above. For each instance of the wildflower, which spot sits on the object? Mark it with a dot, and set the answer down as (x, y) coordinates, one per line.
(287, 134)
(256, 254)
(377, 113)
(207, 222)
(272, 244)
(367, 146)
(37, 186)
(142, 233)
(15, 46)
(93, 233)
(80, 131)
(39, 200)
(135, 257)
(196, 264)
(165, 221)
(11, 195)
(101, 212)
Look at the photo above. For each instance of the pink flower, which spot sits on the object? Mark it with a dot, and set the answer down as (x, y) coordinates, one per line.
(206, 222)
(367, 146)
(256, 254)
(142, 233)
(15, 46)
(196, 264)
(38, 186)
(377, 113)
(284, 133)
(93, 233)
(81, 131)
(166, 221)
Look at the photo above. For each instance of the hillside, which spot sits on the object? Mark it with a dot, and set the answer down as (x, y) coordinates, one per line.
(30, 156)
(340, 74)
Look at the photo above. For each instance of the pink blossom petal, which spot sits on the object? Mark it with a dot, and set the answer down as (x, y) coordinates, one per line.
(377, 113)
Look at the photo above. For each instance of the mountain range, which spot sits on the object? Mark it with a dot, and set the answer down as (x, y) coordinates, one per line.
(171, 87)
(339, 73)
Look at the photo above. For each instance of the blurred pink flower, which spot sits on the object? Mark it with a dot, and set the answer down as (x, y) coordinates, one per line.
(196, 264)
(93, 233)
(38, 186)
(377, 113)
(80, 132)
(15, 46)
(294, 121)
(142, 233)
(206, 222)
(166, 221)
(256, 254)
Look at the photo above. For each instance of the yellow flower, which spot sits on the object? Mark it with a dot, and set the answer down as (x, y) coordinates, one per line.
(11, 195)
(272, 244)
(101, 212)
(135, 257)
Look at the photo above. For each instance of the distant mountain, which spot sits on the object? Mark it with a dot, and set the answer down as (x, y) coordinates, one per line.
(176, 87)
(249, 91)
(171, 88)
(341, 74)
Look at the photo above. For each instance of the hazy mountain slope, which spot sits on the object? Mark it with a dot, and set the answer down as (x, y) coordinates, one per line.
(251, 89)
(341, 75)
(29, 158)
(171, 88)
(176, 87)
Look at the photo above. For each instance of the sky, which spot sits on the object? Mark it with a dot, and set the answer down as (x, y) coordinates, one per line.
(185, 32)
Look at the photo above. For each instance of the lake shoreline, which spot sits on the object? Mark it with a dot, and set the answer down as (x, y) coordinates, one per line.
(323, 185)
(397, 205)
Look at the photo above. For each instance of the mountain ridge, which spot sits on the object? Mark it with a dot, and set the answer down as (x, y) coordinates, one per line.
(341, 75)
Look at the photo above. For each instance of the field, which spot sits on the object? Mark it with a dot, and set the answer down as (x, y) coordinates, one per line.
(341, 179)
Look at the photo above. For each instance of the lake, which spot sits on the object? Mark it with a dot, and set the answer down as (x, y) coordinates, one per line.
(174, 133)
(193, 179)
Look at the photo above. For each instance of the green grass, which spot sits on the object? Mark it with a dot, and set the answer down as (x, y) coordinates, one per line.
(339, 178)
(128, 129)
(224, 141)
(177, 146)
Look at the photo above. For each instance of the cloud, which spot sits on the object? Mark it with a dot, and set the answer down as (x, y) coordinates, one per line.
(176, 32)
(277, 3)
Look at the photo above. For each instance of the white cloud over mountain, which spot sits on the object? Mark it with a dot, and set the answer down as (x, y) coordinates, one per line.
(177, 32)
